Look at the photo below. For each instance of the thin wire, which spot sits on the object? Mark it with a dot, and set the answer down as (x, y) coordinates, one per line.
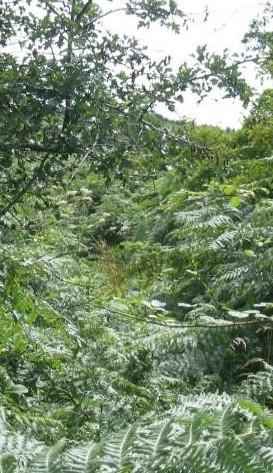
(131, 316)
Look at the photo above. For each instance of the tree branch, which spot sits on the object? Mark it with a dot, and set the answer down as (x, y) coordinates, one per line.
(50, 7)
(207, 75)
(57, 149)
(84, 10)
(25, 188)
(67, 114)
(103, 15)
(130, 316)
(182, 141)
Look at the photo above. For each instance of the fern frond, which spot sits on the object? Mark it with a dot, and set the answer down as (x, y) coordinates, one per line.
(216, 221)
(235, 274)
(48, 460)
(116, 451)
(82, 459)
(21, 444)
(223, 241)
(209, 433)
(8, 463)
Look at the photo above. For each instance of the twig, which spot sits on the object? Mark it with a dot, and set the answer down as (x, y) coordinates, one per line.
(84, 10)
(103, 15)
(226, 68)
(50, 7)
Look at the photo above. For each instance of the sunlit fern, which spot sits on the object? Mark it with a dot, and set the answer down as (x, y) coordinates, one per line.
(203, 434)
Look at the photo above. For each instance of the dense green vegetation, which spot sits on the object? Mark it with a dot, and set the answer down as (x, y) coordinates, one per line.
(136, 258)
(126, 303)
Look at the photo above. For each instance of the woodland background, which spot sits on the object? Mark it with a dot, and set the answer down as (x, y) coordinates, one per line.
(136, 258)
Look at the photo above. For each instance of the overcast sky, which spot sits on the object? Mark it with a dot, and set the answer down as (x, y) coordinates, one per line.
(228, 20)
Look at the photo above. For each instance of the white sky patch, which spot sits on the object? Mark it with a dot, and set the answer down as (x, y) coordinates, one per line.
(226, 25)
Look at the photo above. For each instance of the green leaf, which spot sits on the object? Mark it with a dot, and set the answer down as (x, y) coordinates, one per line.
(252, 407)
(268, 422)
(250, 253)
(229, 189)
(235, 202)
(19, 389)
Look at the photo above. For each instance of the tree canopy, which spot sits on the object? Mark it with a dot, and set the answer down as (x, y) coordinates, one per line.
(71, 91)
